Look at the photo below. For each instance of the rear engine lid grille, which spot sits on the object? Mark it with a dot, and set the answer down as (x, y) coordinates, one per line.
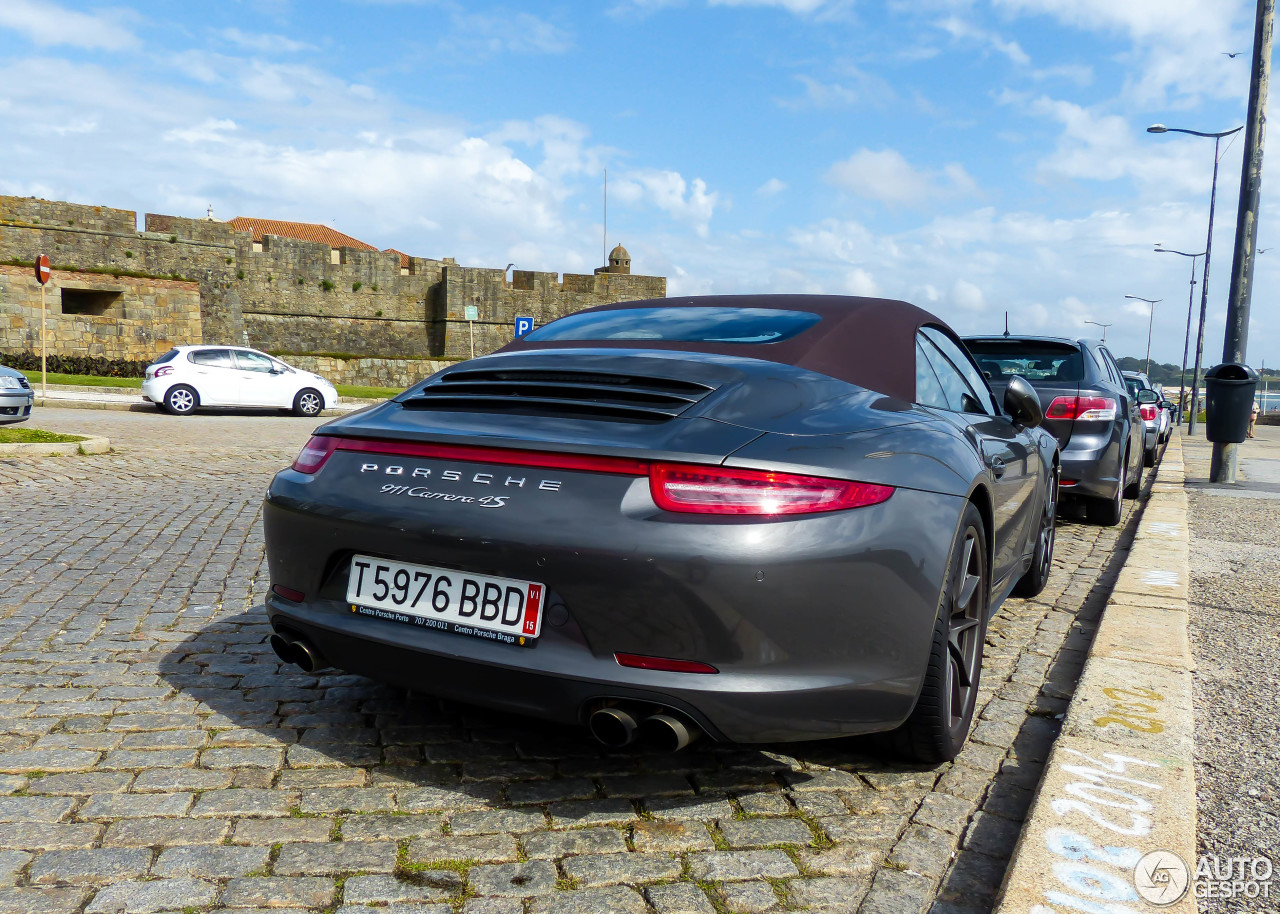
(569, 394)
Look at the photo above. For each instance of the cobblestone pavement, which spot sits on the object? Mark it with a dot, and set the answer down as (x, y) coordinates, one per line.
(1235, 607)
(155, 756)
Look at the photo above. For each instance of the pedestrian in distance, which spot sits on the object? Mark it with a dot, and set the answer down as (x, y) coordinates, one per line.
(1253, 417)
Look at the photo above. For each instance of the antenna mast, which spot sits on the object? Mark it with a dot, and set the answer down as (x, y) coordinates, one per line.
(604, 237)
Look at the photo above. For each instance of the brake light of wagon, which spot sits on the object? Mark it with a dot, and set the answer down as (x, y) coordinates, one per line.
(691, 489)
(1083, 409)
(1148, 412)
(314, 454)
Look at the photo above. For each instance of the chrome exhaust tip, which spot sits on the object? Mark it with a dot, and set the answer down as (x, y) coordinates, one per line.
(296, 651)
(613, 727)
(666, 733)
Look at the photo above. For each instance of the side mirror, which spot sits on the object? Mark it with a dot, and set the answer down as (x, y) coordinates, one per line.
(1147, 396)
(1165, 404)
(1023, 403)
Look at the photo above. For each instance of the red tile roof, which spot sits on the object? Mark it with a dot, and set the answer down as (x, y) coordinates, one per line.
(303, 231)
(404, 258)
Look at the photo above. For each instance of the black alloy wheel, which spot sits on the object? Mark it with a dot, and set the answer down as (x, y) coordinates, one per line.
(939, 724)
(1037, 575)
(1107, 511)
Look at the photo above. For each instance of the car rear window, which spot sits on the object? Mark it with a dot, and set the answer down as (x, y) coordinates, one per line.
(167, 357)
(219, 358)
(1046, 362)
(684, 325)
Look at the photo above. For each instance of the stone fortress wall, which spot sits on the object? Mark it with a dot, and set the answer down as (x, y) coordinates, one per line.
(182, 281)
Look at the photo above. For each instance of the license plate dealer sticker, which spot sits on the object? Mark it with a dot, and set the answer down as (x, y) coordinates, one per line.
(499, 609)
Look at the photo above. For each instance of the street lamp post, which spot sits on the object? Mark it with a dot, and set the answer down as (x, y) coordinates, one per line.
(1208, 249)
(1103, 326)
(1186, 341)
(1151, 318)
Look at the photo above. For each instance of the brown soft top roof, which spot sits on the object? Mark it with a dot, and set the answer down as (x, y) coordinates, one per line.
(869, 342)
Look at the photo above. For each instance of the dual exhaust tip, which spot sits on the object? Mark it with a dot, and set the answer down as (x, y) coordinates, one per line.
(614, 727)
(293, 649)
(664, 731)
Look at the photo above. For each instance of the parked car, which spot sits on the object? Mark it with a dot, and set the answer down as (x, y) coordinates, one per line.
(16, 396)
(189, 377)
(1155, 416)
(756, 517)
(1087, 407)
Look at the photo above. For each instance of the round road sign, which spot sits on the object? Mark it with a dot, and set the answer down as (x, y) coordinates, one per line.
(43, 272)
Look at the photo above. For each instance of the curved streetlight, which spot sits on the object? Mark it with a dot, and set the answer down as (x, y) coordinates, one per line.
(1103, 326)
(1208, 248)
(1186, 341)
(1150, 320)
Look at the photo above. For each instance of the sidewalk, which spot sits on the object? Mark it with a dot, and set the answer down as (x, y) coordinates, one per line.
(69, 396)
(1235, 641)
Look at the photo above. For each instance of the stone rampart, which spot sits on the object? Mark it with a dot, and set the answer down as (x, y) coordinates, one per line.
(301, 297)
(91, 314)
(397, 373)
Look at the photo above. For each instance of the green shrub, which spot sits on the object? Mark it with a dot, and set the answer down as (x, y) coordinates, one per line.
(76, 364)
(355, 286)
(239, 274)
(374, 287)
(173, 239)
(326, 285)
(128, 253)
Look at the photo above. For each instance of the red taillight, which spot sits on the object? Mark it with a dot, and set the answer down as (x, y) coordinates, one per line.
(641, 662)
(684, 488)
(1084, 409)
(288, 593)
(692, 489)
(314, 453)
(1148, 412)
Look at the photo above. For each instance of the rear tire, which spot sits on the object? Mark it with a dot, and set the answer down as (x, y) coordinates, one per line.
(1133, 484)
(1149, 457)
(939, 725)
(1037, 575)
(308, 402)
(181, 400)
(1106, 512)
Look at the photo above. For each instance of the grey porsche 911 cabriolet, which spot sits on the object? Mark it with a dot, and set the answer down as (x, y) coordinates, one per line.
(766, 517)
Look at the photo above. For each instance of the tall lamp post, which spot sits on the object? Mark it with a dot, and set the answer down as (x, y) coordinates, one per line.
(1150, 321)
(1208, 249)
(1186, 342)
(1103, 326)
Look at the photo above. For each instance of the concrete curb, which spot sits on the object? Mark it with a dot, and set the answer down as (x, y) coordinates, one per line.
(1120, 783)
(92, 444)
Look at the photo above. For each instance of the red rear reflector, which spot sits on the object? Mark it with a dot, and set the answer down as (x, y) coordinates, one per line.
(1066, 483)
(504, 456)
(288, 593)
(314, 453)
(641, 662)
(718, 490)
(1086, 409)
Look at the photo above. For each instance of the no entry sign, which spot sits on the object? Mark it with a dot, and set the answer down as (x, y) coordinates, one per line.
(43, 272)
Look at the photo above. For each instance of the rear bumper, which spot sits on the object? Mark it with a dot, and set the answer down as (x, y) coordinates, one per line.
(1094, 470)
(819, 627)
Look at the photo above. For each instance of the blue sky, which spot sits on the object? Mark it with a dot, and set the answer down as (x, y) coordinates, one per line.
(971, 156)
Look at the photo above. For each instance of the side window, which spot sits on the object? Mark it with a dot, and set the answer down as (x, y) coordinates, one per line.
(1100, 365)
(253, 361)
(928, 391)
(1111, 363)
(211, 358)
(962, 363)
(959, 394)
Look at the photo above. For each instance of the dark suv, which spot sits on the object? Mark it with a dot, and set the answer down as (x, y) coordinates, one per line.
(1087, 407)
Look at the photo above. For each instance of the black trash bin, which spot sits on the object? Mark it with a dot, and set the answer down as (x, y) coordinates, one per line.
(1229, 391)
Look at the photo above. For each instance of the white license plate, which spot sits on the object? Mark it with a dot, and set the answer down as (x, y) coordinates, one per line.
(500, 609)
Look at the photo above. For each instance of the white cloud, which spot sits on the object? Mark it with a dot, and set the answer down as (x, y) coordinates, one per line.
(802, 7)
(855, 88)
(687, 201)
(506, 32)
(47, 24)
(860, 282)
(961, 30)
(771, 188)
(888, 177)
(968, 296)
(263, 42)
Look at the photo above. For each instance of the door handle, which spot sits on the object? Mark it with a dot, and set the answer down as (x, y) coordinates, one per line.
(997, 467)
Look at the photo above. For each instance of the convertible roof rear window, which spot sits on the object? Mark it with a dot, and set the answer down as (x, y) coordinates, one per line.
(684, 325)
(1035, 360)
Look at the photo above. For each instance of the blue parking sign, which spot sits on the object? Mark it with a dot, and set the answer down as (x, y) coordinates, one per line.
(523, 326)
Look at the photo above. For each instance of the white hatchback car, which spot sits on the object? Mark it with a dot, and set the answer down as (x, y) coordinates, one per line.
(189, 377)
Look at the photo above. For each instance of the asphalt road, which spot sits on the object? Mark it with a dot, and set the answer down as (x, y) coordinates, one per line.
(155, 756)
